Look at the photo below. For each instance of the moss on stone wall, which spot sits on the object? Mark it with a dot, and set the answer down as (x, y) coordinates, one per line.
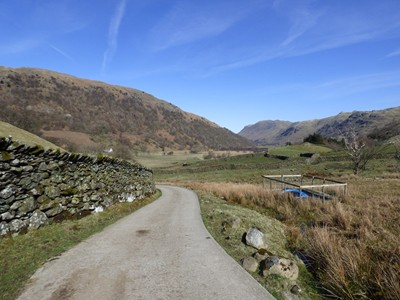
(50, 185)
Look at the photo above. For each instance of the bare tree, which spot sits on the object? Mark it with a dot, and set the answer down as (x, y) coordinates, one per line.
(360, 149)
(396, 144)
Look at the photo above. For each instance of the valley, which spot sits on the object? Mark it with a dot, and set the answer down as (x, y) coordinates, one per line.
(273, 127)
(348, 245)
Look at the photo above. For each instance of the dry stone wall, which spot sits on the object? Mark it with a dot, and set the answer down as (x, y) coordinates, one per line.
(39, 186)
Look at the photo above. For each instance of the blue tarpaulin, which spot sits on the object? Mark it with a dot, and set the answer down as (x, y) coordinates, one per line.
(296, 193)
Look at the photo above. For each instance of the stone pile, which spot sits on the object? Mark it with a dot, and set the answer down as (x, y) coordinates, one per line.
(266, 264)
(37, 185)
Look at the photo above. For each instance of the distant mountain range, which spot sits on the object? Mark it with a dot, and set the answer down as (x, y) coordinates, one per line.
(377, 124)
(84, 115)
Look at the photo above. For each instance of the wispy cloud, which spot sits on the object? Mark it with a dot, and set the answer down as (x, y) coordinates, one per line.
(394, 53)
(339, 88)
(113, 32)
(301, 18)
(20, 46)
(59, 51)
(27, 25)
(313, 28)
(357, 84)
(369, 91)
(186, 23)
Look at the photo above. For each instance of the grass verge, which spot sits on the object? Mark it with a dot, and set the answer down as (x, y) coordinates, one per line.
(216, 212)
(351, 243)
(22, 255)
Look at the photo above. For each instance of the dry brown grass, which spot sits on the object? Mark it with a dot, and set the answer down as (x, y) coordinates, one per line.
(352, 241)
(70, 136)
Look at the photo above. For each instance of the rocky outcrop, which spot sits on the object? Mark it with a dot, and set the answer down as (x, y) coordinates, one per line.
(37, 186)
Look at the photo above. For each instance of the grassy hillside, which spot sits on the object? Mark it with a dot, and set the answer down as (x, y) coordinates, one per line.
(264, 130)
(23, 137)
(84, 115)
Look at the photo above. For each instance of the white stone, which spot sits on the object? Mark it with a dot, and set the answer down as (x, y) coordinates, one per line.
(38, 219)
(99, 209)
(4, 229)
(256, 239)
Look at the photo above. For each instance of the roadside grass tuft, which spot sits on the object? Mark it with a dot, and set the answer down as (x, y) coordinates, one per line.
(22, 255)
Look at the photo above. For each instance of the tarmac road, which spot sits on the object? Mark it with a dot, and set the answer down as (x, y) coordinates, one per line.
(161, 251)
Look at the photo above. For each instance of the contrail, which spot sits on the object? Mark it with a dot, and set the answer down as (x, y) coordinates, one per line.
(113, 34)
(58, 50)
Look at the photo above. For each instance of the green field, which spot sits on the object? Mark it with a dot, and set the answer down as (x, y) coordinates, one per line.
(296, 150)
(176, 159)
(250, 167)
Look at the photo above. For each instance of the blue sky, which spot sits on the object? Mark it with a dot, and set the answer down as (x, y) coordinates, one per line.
(234, 62)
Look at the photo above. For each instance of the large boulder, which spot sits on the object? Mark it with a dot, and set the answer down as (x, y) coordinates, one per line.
(256, 239)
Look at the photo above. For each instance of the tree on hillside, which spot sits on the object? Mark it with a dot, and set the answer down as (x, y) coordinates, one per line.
(314, 138)
(360, 149)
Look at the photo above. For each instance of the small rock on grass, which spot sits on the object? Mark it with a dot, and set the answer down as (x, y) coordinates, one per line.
(261, 255)
(250, 264)
(235, 223)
